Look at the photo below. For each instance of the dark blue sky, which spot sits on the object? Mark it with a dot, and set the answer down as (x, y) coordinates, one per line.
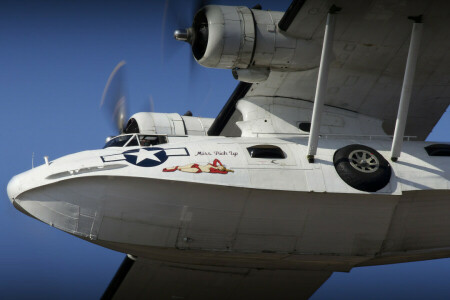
(55, 58)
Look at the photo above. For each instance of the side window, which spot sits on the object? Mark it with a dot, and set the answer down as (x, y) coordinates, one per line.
(266, 151)
(438, 150)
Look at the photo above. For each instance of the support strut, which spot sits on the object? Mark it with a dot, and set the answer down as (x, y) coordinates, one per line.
(405, 96)
(321, 87)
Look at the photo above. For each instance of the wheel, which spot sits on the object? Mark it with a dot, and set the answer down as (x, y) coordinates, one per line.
(362, 167)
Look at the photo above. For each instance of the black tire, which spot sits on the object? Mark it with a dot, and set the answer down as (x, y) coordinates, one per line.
(362, 167)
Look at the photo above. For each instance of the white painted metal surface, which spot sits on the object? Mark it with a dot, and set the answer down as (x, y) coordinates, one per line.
(243, 38)
(171, 124)
(256, 206)
(275, 116)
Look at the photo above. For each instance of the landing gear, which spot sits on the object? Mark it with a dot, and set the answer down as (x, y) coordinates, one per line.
(362, 167)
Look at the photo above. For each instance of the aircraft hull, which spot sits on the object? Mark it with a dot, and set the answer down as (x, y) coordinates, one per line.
(238, 226)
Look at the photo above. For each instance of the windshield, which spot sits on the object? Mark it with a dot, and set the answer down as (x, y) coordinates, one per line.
(144, 140)
(152, 140)
(118, 141)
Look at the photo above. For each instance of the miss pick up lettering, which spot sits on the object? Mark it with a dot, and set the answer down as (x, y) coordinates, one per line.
(217, 153)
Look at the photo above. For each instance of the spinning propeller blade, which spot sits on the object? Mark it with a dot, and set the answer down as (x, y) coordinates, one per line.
(178, 16)
(114, 100)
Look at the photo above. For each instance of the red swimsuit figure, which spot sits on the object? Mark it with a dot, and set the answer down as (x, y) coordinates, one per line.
(215, 167)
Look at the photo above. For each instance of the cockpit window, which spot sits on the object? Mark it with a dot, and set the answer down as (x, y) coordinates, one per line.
(133, 142)
(152, 140)
(118, 141)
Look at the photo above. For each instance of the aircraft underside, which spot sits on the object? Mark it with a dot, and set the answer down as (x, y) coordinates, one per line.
(209, 224)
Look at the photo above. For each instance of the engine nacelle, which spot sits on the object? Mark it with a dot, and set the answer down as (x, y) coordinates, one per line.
(237, 37)
(170, 124)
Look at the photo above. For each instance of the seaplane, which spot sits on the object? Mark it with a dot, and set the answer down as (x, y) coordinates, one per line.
(316, 164)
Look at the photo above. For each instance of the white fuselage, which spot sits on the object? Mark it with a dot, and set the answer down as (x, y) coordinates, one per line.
(209, 196)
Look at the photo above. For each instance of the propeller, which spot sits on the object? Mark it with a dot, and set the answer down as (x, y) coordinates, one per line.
(114, 101)
(197, 34)
(178, 15)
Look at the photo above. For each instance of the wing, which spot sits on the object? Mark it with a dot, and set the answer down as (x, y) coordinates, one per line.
(147, 279)
(370, 48)
(225, 123)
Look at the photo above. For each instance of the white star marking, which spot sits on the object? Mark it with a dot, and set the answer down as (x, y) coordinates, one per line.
(144, 154)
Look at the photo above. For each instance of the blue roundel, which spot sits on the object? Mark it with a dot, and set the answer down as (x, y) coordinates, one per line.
(146, 157)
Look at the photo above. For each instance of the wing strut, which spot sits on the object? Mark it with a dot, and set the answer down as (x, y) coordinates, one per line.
(322, 81)
(408, 80)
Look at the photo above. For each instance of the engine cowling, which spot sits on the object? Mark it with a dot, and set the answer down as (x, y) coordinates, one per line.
(171, 124)
(237, 37)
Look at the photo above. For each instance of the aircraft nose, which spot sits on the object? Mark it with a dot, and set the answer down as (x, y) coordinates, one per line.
(13, 188)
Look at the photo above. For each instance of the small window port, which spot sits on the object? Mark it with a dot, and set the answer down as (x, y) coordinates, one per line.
(305, 126)
(266, 151)
(438, 150)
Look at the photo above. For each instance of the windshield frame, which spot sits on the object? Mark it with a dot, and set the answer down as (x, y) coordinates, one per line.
(114, 141)
(130, 140)
(161, 139)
